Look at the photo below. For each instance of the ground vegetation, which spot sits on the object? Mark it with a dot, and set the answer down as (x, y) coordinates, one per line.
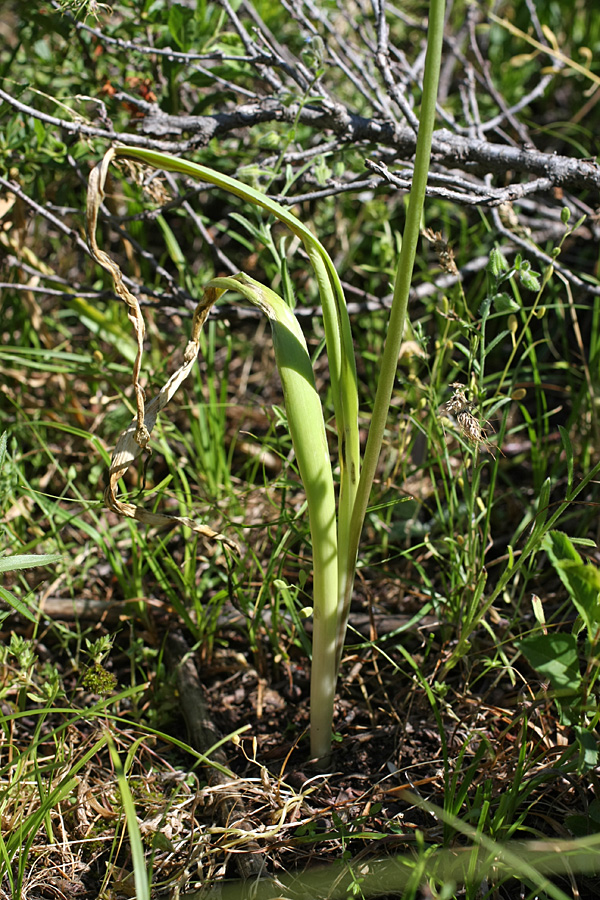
(155, 673)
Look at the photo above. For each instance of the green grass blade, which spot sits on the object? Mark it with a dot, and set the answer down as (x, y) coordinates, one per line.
(142, 888)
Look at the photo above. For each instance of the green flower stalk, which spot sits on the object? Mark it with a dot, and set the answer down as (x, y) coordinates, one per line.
(395, 331)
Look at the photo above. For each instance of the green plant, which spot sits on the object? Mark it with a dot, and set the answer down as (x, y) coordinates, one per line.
(18, 561)
(556, 654)
(335, 536)
(451, 552)
(142, 887)
(97, 678)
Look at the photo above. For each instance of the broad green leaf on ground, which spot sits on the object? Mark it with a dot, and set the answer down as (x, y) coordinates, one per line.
(555, 657)
(582, 580)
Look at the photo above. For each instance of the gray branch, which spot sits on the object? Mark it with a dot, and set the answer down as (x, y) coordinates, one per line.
(450, 150)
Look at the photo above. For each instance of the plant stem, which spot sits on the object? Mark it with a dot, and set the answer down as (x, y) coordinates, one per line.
(389, 363)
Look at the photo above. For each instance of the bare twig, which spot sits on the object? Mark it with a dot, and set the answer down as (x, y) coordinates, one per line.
(474, 155)
(542, 257)
(465, 192)
(382, 58)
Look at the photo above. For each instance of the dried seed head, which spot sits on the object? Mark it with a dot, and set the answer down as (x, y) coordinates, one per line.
(442, 249)
(459, 407)
(458, 400)
(470, 427)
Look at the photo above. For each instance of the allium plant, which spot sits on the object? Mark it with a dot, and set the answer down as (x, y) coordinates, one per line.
(335, 521)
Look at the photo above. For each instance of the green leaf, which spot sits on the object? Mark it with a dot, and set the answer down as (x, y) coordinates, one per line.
(259, 232)
(594, 811)
(3, 441)
(583, 584)
(581, 826)
(40, 131)
(140, 874)
(555, 657)
(173, 248)
(588, 753)
(17, 604)
(493, 343)
(540, 516)
(322, 170)
(530, 280)
(504, 303)
(42, 49)
(28, 561)
(566, 441)
(582, 580)
(182, 26)
(270, 140)
(497, 264)
(560, 549)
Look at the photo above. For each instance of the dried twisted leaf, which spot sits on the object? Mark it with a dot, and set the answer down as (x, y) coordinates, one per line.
(95, 196)
(135, 438)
